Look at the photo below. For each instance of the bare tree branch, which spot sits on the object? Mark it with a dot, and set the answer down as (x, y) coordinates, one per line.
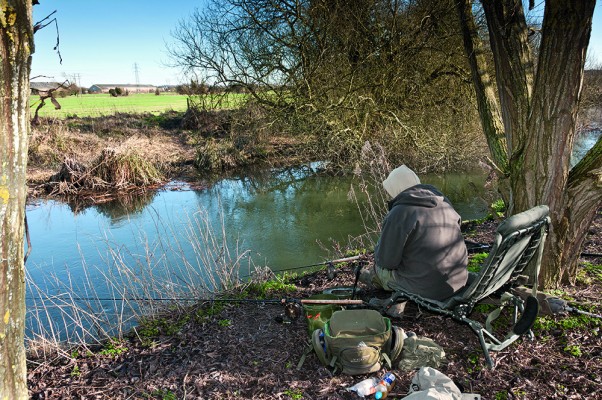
(49, 94)
(41, 25)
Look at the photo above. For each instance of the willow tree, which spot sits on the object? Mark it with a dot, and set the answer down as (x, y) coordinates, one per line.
(345, 71)
(529, 118)
(16, 47)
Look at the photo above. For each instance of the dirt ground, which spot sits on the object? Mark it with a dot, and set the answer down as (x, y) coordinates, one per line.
(247, 352)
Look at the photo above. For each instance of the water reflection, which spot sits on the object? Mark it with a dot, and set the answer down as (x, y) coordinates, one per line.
(585, 141)
(123, 207)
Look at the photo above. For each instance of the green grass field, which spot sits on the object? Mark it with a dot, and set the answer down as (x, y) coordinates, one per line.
(95, 105)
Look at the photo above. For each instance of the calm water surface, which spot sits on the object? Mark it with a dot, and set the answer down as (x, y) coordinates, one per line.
(280, 217)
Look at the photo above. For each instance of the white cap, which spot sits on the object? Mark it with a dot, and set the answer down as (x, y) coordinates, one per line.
(399, 180)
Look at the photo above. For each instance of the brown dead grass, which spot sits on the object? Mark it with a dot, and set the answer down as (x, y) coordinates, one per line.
(162, 141)
(51, 145)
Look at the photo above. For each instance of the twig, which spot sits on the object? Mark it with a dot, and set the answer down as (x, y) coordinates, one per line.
(28, 240)
(48, 95)
(40, 25)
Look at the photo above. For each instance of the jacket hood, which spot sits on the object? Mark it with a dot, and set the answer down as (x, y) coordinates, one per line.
(420, 196)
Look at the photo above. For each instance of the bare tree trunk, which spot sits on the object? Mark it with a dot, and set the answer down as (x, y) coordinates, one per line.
(513, 65)
(16, 47)
(539, 113)
(583, 200)
(489, 112)
(572, 195)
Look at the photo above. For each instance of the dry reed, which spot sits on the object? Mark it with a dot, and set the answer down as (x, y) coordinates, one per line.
(114, 170)
(105, 301)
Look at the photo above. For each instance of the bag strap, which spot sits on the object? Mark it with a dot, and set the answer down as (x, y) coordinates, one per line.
(398, 336)
(385, 356)
(308, 350)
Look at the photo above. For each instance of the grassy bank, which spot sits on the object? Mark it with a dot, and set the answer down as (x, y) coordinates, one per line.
(248, 350)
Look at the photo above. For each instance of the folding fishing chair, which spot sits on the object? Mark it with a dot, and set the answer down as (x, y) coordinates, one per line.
(517, 240)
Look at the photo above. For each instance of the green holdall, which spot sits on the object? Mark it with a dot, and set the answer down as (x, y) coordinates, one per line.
(358, 342)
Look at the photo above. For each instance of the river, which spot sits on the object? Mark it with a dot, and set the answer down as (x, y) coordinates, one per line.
(160, 244)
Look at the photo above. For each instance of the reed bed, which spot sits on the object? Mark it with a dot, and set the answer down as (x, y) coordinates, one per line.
(115, 170)
(368, 193)
(84, 309)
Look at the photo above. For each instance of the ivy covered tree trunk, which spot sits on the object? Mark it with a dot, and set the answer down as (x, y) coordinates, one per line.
(16, 47)
(538, 103)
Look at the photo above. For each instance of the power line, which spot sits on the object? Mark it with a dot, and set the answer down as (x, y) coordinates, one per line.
(136, 73)
(78, 83)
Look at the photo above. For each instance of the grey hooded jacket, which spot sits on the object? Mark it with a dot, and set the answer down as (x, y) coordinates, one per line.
(422, 242)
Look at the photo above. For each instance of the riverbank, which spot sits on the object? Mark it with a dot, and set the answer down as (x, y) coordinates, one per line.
(244, 351)
(191, 147)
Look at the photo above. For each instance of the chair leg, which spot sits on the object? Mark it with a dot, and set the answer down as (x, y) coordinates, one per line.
(488, 359)
(478, 329)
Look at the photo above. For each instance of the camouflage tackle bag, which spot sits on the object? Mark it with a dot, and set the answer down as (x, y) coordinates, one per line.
(358, 342)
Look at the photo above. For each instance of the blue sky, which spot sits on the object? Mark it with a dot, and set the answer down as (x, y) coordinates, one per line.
(102, 41)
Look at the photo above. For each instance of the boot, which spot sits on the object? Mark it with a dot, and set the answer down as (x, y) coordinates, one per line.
(395, 310)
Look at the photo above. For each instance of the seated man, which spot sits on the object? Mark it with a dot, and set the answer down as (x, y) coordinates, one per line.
(421, 247)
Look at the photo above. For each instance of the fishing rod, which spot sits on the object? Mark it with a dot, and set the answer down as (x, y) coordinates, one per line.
(330, 270)
(474, 247)
(330, 262)
(285, 301)
(293, 307)
(558, 305)
(208, 300)
(573, 310)
(232, 300)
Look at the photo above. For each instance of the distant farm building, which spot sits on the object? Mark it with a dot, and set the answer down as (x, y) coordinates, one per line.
(168, 88)
(129, 88)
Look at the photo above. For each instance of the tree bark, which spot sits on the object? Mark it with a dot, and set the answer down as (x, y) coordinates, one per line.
(513, 65)
(583, 200)
(573, 196)
(487, 103)
(16, 47)
(539, 113)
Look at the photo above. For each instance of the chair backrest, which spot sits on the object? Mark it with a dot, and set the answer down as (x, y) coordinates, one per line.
(517, 240)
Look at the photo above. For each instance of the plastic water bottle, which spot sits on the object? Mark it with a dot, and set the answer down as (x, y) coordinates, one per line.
(384, 386)
(365, 387)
